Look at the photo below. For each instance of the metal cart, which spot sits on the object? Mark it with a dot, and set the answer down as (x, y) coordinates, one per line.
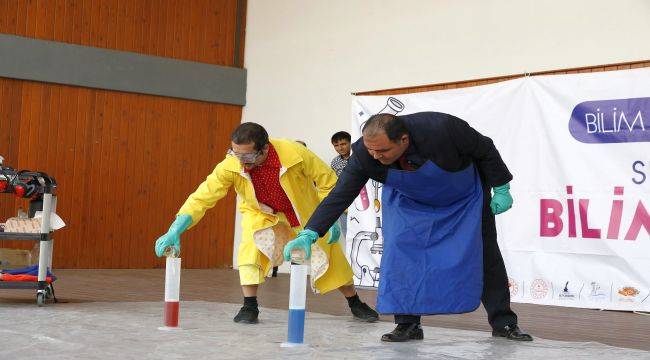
(44, 188)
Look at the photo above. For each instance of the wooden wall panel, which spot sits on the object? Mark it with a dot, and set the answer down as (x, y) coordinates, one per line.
(124, 162)
(195, 30)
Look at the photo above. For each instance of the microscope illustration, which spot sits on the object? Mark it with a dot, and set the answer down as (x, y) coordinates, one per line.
(365, 266)
(370, 244)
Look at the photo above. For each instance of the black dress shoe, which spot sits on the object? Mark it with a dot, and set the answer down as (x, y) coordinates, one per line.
(512, 332)
(362, 312)
(404, 332)
(247, 315)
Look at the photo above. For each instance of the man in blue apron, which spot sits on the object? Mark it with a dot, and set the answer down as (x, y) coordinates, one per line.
(440, 251)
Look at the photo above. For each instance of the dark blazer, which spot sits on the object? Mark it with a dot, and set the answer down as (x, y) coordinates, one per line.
(444, 139)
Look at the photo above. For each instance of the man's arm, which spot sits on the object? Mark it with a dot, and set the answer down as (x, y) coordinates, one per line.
(481, 148)
(350, 183)
(213, 189)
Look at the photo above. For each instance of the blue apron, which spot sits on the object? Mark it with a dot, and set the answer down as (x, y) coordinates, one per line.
(432, 261)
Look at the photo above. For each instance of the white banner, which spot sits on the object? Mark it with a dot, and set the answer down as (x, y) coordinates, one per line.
(579, 149)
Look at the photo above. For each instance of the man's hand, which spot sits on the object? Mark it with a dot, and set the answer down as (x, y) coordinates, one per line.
(302, 242)
(173, 236)
(335, 234)
(501, 200)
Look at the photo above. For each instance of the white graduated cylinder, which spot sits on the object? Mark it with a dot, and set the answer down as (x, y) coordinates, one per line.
(172, 279)
(298, 287)
(297, 297)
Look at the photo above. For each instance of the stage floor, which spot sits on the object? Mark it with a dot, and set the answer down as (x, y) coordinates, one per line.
(121, 306)
(129, 330)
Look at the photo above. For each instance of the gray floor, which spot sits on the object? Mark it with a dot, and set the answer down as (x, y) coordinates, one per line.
(129, 330)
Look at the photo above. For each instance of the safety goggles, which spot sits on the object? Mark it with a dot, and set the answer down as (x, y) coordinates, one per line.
(245, 158)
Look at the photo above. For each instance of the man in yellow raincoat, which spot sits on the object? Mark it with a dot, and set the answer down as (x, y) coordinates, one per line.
(280, 183)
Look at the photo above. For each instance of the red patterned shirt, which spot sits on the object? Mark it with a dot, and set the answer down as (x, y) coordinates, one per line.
(266, 181)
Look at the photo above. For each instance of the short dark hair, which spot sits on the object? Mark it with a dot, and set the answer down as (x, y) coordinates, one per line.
(392, 125)
(341, 135)
(250, 132)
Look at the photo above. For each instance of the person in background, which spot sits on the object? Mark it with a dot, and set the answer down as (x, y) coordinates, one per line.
(341, 142)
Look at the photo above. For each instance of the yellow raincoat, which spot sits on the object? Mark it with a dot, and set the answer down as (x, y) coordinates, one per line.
(263, 235)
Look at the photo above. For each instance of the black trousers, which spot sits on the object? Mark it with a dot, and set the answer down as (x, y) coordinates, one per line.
(496, 296)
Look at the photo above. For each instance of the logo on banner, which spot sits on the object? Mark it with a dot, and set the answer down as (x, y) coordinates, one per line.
(611, 121)
(596, 293)
(567, 293)
(538, 289)
(628, 293)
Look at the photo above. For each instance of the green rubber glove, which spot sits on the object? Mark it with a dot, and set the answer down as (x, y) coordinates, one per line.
(501, 200)
(302, 242)
(335, 234)
(173, 235)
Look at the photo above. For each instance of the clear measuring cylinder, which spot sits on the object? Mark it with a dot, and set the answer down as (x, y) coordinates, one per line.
(172, 290)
